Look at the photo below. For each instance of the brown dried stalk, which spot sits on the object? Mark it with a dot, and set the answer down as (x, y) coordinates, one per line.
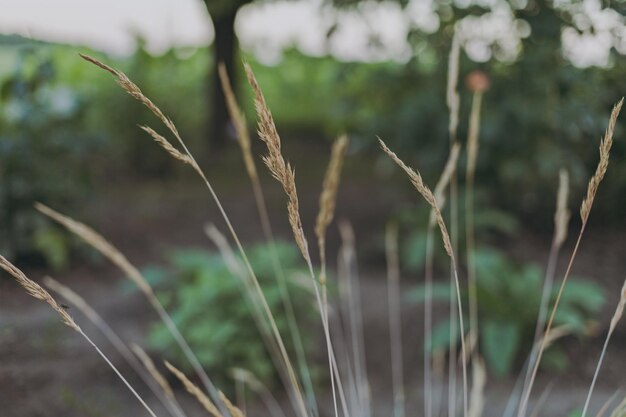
(35, 290)
(194, 390)
(328, 197)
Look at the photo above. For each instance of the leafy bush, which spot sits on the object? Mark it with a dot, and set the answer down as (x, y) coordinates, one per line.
(44, 152)
(509, 295)
(208, 305)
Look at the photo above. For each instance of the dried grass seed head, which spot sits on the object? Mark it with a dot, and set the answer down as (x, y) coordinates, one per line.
(605, 148)
(423, 189)
(35, 290)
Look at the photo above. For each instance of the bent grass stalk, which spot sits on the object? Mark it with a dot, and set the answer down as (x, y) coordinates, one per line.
(418, 183)
(585, 210)
(81, 305)
(136, 93)
(117, 258)
(35, 290)
(244, 141)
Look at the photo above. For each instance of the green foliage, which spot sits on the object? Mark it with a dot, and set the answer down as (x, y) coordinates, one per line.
(44, 152)
(208, 305)
(509, 295)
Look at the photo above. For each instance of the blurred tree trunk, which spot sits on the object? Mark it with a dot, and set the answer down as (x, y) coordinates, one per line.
(224, 50)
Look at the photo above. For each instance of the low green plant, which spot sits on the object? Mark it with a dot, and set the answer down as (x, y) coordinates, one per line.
(509, 295)
(209, 307)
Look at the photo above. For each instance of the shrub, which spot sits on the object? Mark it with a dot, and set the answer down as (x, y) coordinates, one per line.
(509, 295)
(44, 152)
(209, 307)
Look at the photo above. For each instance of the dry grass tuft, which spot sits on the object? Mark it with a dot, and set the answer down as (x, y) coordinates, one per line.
(274, 160)
(194, 390)
(423, 189)
(35, 290)
(605, 148)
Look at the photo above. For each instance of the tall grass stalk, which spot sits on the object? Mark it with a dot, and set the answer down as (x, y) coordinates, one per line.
(470, 238)
(440, 198)
(453, 103)
(245, 145)
(351, 295)
(585, 210)
(426, 193)
(35, 290)
(116, 341)
(395, 318)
